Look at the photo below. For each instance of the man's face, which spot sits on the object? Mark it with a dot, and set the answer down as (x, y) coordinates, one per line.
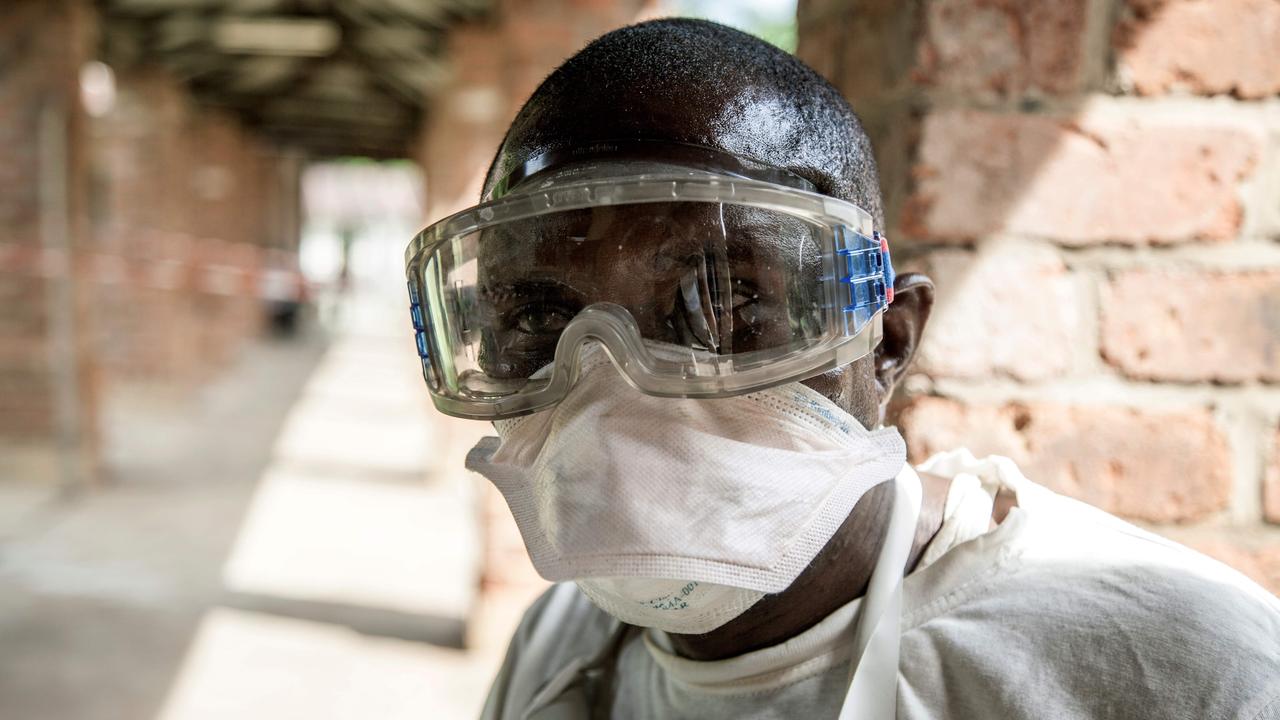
(714, 278)
(740, 118)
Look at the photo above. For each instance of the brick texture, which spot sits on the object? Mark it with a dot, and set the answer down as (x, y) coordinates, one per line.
(187, 299)
(1193, 326)
(42, 45)
(214, 174)
(1146, 465)
(1076, 236)
(1011, 312)
(1206, 47)
(1076, 181)
(168, 207)
(1002, 48)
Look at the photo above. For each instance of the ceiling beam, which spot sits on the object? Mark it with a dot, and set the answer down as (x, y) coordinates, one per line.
(341, 145)
(236, 56)
(267, 35)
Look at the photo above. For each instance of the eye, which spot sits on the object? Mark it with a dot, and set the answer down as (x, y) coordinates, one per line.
(541, 319)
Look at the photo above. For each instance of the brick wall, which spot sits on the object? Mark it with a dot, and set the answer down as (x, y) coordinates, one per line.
(46, 370)
(177, 279)
(495, 66)
(130, 244)
(1095, 187)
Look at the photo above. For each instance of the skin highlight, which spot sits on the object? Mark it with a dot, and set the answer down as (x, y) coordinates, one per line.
(687, 81)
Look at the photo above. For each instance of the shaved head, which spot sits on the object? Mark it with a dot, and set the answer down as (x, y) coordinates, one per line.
(701, 83)
(693, 81)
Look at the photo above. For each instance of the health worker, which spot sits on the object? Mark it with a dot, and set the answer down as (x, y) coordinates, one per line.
(677, 306)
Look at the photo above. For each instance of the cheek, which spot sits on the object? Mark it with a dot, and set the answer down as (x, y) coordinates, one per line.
(852, 388)
(833, 384)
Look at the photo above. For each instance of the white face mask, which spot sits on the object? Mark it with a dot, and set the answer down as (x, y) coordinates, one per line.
(680, 514)
(675, 606)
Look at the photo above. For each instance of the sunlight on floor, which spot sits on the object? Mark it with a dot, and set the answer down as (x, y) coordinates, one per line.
(363, 521)
(353, 582)
(245, 665)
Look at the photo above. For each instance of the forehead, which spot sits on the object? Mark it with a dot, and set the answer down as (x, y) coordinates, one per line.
(741, 118)
(672, 230)
(654, 227)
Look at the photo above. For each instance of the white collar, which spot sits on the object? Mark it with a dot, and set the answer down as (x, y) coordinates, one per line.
(828, 643)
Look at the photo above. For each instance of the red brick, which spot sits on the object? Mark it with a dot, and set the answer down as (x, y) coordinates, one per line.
(1207, 47)
(1188, 326)
(1002, 47)
(497, 66)
(1254, 552)
(1077, 181)
(42, 45)
(22, 307)
(1154, 466)
(24, 354)
(1006, 311)
(223, 191)
(458, 141)
(1271, 483)
(26, 403)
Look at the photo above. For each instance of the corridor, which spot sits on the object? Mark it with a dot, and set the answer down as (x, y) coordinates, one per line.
(298, 541)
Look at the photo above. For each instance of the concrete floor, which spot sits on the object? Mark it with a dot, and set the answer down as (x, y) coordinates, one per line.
(296, 540)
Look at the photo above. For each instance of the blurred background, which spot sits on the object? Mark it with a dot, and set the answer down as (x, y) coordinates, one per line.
(223, 489)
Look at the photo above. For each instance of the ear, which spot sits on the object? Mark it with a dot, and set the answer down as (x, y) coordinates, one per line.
(904, 323)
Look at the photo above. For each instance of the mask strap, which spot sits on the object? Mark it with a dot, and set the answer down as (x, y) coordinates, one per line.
(873, 686)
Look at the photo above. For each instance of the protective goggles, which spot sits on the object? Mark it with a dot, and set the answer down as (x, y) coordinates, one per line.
(702, 275)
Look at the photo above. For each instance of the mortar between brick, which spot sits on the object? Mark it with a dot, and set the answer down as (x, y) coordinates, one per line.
(1097, 59)
(1245, 427)
(1113, 390)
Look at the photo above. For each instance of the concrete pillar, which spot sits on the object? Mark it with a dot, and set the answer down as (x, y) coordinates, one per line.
(495, 66)
(466, 120)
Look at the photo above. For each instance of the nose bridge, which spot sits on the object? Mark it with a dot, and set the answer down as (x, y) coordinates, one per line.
(647, 262)
(698, 232)
(654, 268)
(653, 243)
(600, 326)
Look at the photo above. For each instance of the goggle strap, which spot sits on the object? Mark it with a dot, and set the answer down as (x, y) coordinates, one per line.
(889, 274)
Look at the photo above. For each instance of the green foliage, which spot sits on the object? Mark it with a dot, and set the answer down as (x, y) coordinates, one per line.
(773, 21)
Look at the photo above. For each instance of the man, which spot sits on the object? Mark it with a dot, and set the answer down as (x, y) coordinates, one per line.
(677, 308)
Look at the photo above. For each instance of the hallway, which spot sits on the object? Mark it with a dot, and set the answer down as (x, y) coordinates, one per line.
(297, 541)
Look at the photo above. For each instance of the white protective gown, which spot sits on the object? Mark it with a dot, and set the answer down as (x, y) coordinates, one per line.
(1062, 611)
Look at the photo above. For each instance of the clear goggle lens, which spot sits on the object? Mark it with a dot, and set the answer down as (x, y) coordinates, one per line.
(690, 299)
